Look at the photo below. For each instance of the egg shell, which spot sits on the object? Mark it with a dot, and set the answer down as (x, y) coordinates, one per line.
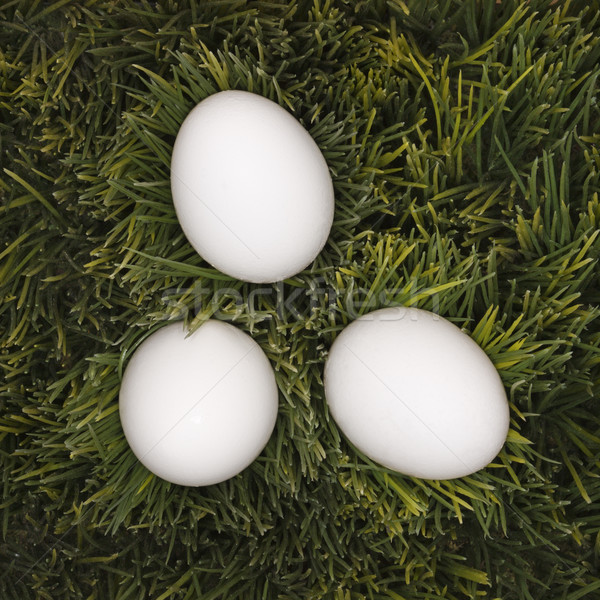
(251, 189)
(414, 393)
(198, 409)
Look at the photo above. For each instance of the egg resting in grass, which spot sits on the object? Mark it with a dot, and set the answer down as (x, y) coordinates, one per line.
(251, 189)
(414, 393)
(198, 409)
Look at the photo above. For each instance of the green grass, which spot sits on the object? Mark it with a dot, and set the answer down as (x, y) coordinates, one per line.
(464, 143)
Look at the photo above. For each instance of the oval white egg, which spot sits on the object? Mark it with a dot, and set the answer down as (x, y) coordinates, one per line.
(251, 189)
(414, 393)
(198, 409)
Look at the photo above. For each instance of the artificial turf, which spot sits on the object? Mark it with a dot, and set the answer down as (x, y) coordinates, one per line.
(463, 139)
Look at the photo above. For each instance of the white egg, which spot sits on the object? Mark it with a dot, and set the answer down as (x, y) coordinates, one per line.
(414, 393)
(198, 409)
(251, 189)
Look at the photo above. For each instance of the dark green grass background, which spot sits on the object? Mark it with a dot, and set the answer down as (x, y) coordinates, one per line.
(463, 140)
